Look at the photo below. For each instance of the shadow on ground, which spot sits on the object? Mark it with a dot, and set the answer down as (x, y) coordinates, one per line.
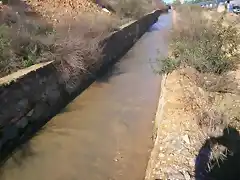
(221, 169)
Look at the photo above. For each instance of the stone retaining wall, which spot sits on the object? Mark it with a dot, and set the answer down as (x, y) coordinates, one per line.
(30, 101)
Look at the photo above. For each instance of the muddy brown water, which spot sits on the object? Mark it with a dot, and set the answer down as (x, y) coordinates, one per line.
(105, 133)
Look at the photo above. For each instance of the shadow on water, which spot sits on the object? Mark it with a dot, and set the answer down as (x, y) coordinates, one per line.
(162, 22)
(101, 78)
(111, 72)
(227, 169)
(67, 109)
(23, 152)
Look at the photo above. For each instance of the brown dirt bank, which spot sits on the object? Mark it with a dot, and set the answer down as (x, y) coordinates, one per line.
(197, 108)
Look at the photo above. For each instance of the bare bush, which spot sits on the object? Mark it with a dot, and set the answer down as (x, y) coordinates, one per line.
(133, 8)
(75, 55)
(80, 52)
(208, 46)
(73, 42)
(22, 46)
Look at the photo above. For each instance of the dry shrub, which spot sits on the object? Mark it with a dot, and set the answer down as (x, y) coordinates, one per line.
(75, 55)
(56, 10)
(93, 24)
(80, 52)
(133, 8)
(202, 103)
(206, 45)
(73, 43)
(22, 46)
(210, 120)
(215, 112)
(5, 54)
(26, 39)
(185, 9)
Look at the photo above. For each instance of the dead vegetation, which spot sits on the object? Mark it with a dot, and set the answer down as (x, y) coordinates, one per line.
(81, 52)
(206, 45)
(199, 133)
(67, 31)
(26, 42)
(22, 43)
(134, 8)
